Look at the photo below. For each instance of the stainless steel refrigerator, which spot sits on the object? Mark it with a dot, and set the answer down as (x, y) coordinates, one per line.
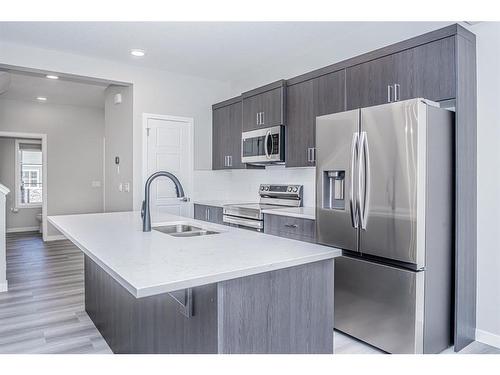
(385, 196)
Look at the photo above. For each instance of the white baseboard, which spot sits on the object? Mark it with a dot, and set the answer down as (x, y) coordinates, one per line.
(4, 286)
(23, 229)
(55, 237)
(488, 338)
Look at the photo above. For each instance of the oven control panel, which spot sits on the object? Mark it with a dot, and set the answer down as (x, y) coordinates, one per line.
(280, 190)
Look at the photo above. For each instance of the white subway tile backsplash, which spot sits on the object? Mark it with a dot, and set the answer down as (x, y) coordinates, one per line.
(243, 184)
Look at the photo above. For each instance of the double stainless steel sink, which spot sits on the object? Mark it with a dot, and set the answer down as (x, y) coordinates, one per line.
(183, 230)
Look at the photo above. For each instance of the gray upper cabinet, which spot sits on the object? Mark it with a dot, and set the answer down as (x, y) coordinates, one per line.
(264, 107)
(305, 101)
(300, 124)
(426, 71)
(369, 83)
(226, 135)
(329, 93)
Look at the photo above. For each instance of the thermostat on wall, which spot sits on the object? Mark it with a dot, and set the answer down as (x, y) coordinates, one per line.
(118, 98)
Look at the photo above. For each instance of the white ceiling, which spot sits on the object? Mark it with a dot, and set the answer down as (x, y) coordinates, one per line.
(29, 86)
(227, 51)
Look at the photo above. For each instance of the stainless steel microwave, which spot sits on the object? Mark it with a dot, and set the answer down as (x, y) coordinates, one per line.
(263, 146)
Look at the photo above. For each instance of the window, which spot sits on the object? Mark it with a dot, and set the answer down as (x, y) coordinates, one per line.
(29, 183)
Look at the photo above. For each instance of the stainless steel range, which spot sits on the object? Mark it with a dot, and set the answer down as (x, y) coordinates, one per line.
(250, 216)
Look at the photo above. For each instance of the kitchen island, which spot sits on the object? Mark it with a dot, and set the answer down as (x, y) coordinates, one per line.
(216, 290)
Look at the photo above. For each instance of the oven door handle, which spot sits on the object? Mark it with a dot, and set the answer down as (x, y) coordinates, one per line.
(255, 224)
(268, 154)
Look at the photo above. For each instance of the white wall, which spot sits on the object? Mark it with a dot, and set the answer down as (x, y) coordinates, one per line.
(119, 142)
(75, 152)
(155, 91)
(25, 217)
(488, 181)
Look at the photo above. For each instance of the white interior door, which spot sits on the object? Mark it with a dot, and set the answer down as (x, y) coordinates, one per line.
(169, 148)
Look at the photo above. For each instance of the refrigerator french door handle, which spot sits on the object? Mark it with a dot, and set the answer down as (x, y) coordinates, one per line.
(363, 175)
(354, 156)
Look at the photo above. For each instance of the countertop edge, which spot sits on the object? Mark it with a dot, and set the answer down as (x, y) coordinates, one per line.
(236, 274)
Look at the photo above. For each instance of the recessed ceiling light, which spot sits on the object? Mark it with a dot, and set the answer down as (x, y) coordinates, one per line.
(41, 98)
(137, 52)
(52, 76)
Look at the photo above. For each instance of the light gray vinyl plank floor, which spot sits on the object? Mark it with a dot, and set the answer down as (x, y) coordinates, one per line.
(44, 312)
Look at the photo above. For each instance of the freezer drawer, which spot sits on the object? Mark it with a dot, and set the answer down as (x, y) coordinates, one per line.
(379, 304)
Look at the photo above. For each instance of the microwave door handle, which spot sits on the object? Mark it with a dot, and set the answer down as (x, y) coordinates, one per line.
(352, 202)
(268, 134)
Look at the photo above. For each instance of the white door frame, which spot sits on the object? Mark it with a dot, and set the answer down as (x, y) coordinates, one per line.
(190, 123)
(43, 137)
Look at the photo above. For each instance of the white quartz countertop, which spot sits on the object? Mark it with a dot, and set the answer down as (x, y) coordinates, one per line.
(300, 212)
(153, 263)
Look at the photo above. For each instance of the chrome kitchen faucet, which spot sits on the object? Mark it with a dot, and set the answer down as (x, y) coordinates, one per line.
(145, 214)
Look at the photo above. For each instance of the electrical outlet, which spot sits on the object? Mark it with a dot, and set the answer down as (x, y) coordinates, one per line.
(120, 187)
(96, 184)
(126, 187)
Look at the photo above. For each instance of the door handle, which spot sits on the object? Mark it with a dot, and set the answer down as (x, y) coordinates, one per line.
(354, 156)
(389, 93)
(291, 226)
(363, 173)
(397, 92)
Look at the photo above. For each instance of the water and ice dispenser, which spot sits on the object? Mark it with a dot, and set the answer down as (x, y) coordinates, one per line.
(334, 189)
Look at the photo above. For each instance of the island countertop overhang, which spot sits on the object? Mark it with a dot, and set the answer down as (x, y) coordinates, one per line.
(153, 263)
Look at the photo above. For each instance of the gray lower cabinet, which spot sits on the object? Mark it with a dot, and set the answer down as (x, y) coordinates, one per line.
(305, 101)
(284, 311)
(425, 71)
(211, 214)
(290, 227)
(226, 135)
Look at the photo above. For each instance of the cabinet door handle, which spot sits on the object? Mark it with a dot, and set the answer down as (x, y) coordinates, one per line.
(229, 161)
(262, 123)
(309, 155)
(257, 118)
(313, 154)
(397, 92)
(389, 93)
(291, 226)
